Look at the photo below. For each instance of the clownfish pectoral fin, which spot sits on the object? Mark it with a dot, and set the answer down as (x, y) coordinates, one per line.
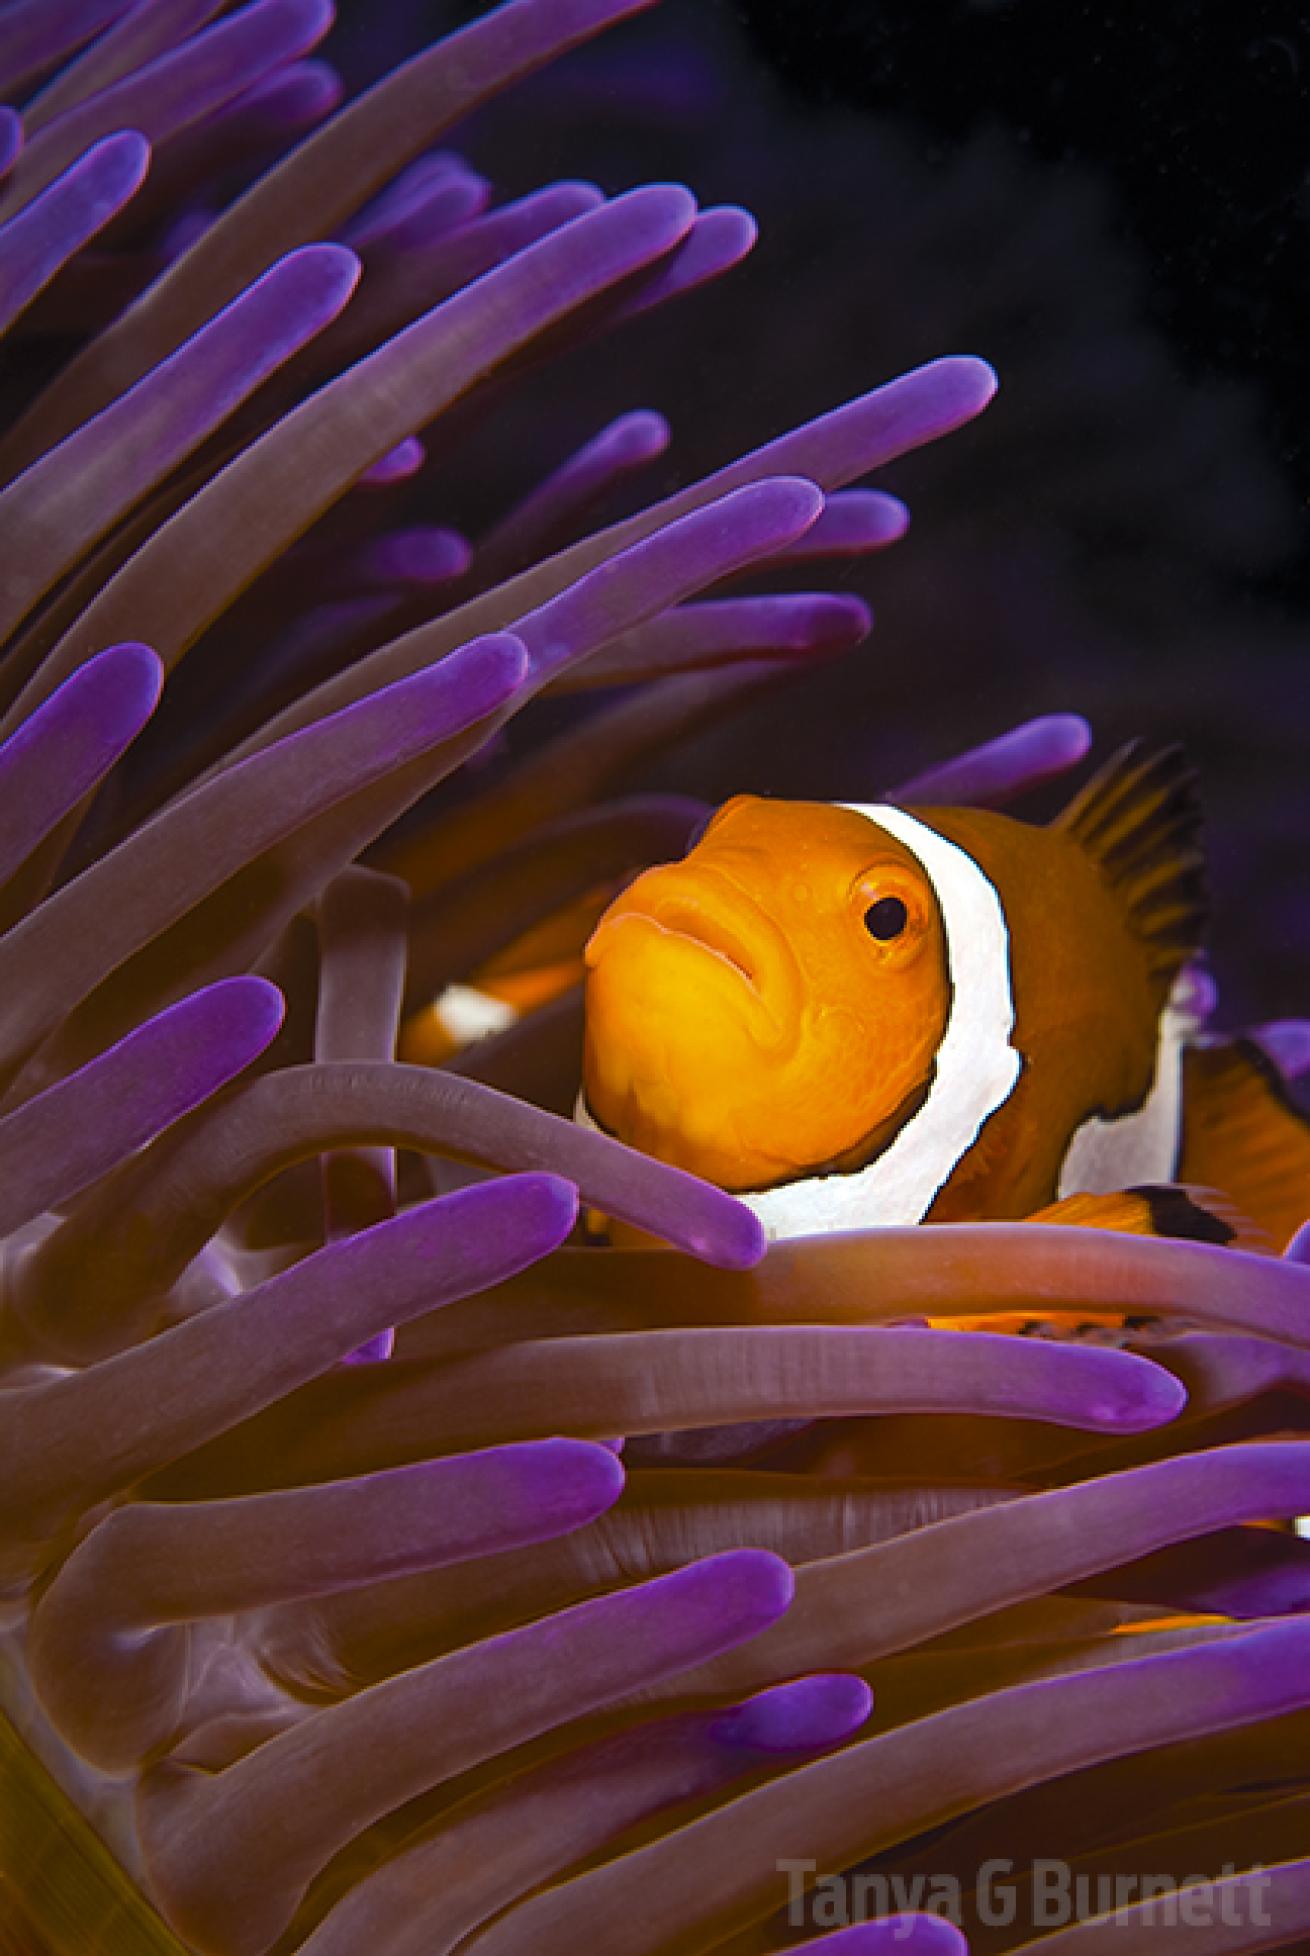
(1140, 820)
(1243, 1133)
(1166, 1209)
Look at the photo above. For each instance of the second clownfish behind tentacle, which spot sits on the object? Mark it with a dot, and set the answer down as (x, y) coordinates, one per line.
(864, 1015)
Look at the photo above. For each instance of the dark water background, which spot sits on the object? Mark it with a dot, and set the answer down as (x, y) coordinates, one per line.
(1109, 203)
(1197, 114)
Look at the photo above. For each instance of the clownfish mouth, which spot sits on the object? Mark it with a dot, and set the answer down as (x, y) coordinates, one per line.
(713, 932)
(707, 911)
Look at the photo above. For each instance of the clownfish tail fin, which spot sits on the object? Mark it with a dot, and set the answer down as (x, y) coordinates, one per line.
(1140, 820)
(1244, 1131)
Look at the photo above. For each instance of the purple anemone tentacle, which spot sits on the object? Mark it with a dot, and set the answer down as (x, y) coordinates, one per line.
(920, 1935)
(1002, 769)
(401, 288)
(265, 499)
(373, 1752)
(179, 1197)
(1298, 1250)
(720, 1872)
(75, 1132)
(720, 631)
(955, 1271)
(114, 1617)
(423, 557)
(551, 514)
(363, 953)
(534, 1826)
(406, 192)
(851, 441)
(70, 743)
(599, 755)
(176, 90)
(1236, 1914)
(311, 192)
(11, 139)
(162, 872)
(58, 509)
(745, 527)
(664, 1517)
(718, 240)
(399, 464)
(1287, 1043)
(69, 1440)
(860, 1607)
(616, 595)
(854, 522)
(137, 37)
(232, 145)
(40, 239)
(426, 210)
(38, 33)
(644, 1383)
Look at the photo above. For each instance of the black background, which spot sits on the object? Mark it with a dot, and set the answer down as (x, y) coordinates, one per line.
(1199, 115)
(1197, 112)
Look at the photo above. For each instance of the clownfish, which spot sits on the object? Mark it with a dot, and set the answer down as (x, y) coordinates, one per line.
(861, 1015)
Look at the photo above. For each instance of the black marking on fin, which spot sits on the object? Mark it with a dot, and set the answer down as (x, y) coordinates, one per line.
(1175, 1213)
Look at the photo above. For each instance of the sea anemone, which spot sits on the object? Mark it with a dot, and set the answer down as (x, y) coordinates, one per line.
(333, 1621)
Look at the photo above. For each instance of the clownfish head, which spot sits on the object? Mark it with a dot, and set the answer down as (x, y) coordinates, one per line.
(772, 1005)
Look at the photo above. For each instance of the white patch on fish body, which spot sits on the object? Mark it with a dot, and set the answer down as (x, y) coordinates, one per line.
(468, 1015)
(1141, 1146)
(976, 1067)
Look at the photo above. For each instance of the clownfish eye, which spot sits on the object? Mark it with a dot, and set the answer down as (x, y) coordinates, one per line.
(886, 919)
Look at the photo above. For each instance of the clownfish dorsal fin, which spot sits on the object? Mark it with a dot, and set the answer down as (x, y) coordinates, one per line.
(1139, 819)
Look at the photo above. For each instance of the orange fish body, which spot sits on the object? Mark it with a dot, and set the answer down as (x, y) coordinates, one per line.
(855, 1016)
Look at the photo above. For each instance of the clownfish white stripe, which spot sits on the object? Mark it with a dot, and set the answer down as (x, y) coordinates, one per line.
(468, 1014)
(1142, 1146)
(976, 1068)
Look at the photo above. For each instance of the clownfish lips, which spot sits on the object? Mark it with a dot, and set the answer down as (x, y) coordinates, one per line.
(709, 928)
(709, 912)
